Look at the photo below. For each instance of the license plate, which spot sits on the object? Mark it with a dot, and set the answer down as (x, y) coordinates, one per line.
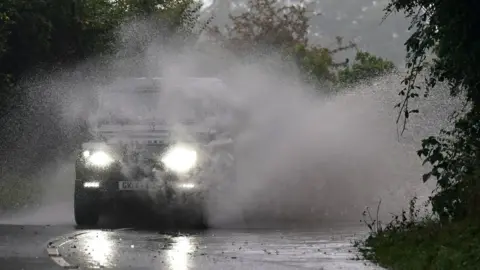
(137, 185)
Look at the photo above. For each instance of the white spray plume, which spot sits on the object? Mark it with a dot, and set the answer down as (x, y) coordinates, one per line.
(302, 156)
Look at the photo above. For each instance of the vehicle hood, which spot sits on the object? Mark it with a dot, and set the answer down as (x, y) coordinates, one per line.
(141, 133)
(141, 136)
(144, 133)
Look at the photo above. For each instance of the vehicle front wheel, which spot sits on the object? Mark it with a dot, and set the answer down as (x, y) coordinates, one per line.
(85, 210)
(191, 217)
(199, 220)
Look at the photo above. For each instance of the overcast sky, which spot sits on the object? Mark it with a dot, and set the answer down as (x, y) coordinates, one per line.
(357, 20)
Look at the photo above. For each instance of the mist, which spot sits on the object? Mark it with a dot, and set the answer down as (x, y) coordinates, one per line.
(303, 155)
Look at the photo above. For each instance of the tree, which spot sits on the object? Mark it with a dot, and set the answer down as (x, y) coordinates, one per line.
(39, 34)
(447, 29)
(364, 67)
(267, 26)
(167, 16)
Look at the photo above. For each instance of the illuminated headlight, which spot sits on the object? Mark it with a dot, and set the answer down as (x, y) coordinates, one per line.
(86, 154)
(180, 159)
(98, 158)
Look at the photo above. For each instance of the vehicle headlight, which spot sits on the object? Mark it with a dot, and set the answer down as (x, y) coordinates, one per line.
(180, 158)
(98, 158)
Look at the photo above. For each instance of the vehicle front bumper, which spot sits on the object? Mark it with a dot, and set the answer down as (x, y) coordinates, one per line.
(101, 188)
(107, 195)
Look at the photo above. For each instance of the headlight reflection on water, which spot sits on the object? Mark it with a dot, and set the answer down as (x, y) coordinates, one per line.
(100, 247)
(178, 256)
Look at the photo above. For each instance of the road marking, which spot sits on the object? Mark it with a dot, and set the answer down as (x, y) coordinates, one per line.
(54, 244)
(122, 229)
(53, 252)
(64, 264)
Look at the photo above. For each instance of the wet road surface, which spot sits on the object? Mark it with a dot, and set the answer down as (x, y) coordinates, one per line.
(23, 247)
(212, 249)
(60, 247)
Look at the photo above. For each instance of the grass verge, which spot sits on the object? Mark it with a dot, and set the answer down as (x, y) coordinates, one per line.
(410, 242)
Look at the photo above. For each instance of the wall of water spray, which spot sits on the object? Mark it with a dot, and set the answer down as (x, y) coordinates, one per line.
(301, 156)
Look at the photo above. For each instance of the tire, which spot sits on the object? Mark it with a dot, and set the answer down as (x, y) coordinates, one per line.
(199, 221)
(85, 209)
(192, 217)
(199, 216)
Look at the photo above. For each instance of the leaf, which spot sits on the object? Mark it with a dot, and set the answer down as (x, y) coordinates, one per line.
(426, 176)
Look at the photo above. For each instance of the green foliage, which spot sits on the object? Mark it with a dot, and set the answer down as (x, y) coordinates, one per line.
(179, 16)
(267, 27)
(447, 29)
(38, 34)
(365, 66)
(413, 241)
(425, 245)
(316, 62)
(456, 168)
(452, 239)
(403, 222)
(56, 31)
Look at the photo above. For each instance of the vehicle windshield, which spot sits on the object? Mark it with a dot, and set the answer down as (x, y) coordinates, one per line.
(152, 105)
(124, 107)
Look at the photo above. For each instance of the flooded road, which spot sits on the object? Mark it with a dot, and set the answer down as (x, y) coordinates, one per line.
(65, 247)
(326, 248)
(23, 247)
